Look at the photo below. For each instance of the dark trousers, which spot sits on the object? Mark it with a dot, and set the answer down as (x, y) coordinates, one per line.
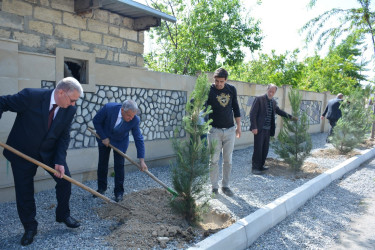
(333, 124)
(119, 162)
(23, 174)
(261, 146)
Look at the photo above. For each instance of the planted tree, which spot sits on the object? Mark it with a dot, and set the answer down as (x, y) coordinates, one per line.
(354, 123)
(190, 173)
(293, 143)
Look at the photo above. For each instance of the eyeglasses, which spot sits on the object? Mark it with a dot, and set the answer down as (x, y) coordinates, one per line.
(71, 101)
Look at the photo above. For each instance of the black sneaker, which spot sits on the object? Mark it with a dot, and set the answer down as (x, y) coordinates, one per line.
(227, 191)
(215, 191)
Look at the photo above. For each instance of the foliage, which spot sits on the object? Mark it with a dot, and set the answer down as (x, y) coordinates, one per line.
(207, 33)
(190, 172)
(357, 21)
(293, 143)
(354, 123)
(338, 72)
(283, 69)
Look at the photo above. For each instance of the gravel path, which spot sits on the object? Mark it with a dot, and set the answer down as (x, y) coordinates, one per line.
(314, 226)
(318, 224)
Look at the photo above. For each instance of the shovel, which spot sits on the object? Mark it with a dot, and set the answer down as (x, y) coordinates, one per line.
(174, 193)
(49, 169)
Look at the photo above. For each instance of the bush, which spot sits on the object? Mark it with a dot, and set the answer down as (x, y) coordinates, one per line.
(354, 123)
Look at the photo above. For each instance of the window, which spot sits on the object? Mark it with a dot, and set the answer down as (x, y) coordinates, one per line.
(77, 64)
(76, 68)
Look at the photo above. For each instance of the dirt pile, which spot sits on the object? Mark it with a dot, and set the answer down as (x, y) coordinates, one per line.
(151, 222)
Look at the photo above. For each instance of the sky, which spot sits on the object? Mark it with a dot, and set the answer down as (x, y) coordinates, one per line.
(281, 21)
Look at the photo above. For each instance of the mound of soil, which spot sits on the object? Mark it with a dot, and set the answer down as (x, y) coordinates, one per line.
(281, 168)
(333, 153)
(150, 221)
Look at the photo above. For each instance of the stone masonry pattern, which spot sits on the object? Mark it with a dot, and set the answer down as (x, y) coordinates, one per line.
(161, 112)
(312, 109)
(42, 26)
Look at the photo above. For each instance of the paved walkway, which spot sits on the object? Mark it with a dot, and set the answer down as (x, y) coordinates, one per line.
(362, 230)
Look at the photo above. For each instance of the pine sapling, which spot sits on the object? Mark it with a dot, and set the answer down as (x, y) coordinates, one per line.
(293, 143)
(191, 171)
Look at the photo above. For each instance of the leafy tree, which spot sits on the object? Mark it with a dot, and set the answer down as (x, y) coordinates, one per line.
(338, 72)
(357, 21)
(354, 123)
(207, 34)
(293, 143)
(283, 69)
(191, 171)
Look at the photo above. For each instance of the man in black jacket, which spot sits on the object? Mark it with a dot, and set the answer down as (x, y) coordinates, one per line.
(41, 131)
(333, 112)
(262, 119)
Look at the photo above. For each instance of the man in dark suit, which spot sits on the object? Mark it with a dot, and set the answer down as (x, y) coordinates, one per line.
(41, 131)
(333, 112)
(113, 123)
(263, 125)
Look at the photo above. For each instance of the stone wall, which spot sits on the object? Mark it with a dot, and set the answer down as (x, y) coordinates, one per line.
(42, 26)
(161, 112)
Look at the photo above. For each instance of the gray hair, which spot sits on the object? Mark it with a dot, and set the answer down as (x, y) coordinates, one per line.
(130, 105)
(271, 85)
(340, 96)
(69, 84)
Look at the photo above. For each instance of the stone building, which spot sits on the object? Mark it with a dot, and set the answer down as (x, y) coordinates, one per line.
(112, 30)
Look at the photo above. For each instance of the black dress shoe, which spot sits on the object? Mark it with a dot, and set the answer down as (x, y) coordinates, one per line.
(118, 197)
(70, 222)
(28, 237)
(100, 191)
(257, 172)
(263, 168)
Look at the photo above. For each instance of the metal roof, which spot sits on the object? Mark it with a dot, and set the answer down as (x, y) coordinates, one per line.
(133, 9)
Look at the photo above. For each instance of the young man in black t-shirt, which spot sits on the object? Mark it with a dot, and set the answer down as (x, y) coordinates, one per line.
(223, 100)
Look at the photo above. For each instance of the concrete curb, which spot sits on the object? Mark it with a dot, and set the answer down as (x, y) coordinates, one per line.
(244, 232)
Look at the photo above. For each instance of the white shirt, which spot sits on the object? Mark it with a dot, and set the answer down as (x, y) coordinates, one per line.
(119, 118)
(53, 102)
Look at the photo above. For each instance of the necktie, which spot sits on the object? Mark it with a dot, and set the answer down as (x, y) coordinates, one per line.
(50, 115)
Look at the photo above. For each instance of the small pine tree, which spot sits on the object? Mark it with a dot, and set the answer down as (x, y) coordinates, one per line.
(293, 143)
(191, 171)
(354, 123)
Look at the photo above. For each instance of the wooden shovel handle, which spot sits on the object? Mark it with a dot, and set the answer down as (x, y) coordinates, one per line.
(49, 169)
(136, 164)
